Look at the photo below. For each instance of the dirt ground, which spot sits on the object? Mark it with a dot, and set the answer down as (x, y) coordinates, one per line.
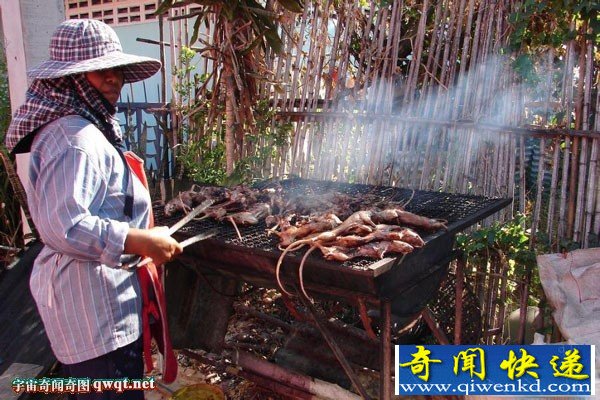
(259, 338)
(251, 334)
(254, 336)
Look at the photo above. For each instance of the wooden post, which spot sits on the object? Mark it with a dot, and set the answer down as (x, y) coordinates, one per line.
(458, 305)
(385, 383)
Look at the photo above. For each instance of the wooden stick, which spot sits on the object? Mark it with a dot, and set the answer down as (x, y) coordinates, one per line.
(314, 386)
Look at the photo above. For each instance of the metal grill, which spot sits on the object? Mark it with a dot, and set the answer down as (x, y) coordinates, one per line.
(459, 210)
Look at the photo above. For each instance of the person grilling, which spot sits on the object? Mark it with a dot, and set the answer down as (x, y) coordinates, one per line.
(90, 209)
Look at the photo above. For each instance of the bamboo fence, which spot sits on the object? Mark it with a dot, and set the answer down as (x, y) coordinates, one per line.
(422, 94)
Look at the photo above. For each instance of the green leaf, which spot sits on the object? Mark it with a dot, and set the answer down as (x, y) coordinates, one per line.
(261, 11)
(164, 7)
(491, 238)
(228, 10)
(295, 6)
(196, 29)
(274, 40)
(255, 42)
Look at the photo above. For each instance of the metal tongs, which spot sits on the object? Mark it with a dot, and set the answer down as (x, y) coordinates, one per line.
(135, 261)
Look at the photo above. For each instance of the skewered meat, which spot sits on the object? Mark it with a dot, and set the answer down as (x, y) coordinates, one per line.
(399, 216)
(360, 220)
(216, 193)
(318, 224)
(336, 253)
(252, 215)
(382, 232)
(180, 203)
(393, 232)
(215, 212)
(372, 250)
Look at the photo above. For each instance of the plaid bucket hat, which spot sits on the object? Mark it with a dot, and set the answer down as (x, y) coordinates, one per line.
(85, 45)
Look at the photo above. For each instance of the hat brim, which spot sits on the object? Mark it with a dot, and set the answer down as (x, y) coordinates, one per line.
(135, 68)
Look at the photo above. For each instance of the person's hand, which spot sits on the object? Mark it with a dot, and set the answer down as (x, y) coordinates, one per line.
(162, 246)
(154, 243)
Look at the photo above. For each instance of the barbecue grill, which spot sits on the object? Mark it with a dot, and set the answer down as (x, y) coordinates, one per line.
(397, 285)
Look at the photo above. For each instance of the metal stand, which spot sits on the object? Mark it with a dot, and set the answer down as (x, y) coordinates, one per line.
(339, 355)
(385, 375)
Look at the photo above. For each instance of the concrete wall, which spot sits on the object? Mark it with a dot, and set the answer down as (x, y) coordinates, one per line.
(40, 18)
(27, 26)
(128, 35)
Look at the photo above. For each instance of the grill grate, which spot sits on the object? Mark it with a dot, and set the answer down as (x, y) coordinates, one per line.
(459, 210)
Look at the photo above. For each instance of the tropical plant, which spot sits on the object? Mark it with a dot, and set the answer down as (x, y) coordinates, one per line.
(241, 31)
(508, 243)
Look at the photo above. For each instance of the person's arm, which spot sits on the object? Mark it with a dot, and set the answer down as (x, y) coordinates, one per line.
(71, 190)
(154, 243)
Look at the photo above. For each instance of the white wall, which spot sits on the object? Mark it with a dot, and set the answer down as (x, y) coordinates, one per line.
(40, 18)
(128, 35)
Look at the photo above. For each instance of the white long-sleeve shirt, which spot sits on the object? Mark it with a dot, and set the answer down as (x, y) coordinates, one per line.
(88, 305)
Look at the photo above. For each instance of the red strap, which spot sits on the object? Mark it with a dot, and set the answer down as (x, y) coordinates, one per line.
(136, 165)
(153, 298)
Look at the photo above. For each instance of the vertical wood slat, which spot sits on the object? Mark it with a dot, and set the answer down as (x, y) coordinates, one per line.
(456, 41)
(553, 190)
(596, 149)
(446, 60)
(582, 208)
(539, 190)
(563, 222)
(593, 198)
(350, 9)
(578, 228)
(297, 53)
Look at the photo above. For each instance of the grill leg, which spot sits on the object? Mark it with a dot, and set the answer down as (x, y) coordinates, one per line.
(434, 326)
(385, 383)
(339, 355)
(460, 274)
(364, 317)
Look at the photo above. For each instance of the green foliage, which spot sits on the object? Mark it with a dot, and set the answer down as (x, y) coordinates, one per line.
(202, 162)
(510, 243)
(542, 24)
(5, 111)
(184, 85)
(524, 66)
(240, 29)
(546, 23)
(201, 156)
(263, 20)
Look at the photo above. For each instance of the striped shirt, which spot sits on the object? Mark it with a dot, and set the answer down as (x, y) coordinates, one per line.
(78, 179)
